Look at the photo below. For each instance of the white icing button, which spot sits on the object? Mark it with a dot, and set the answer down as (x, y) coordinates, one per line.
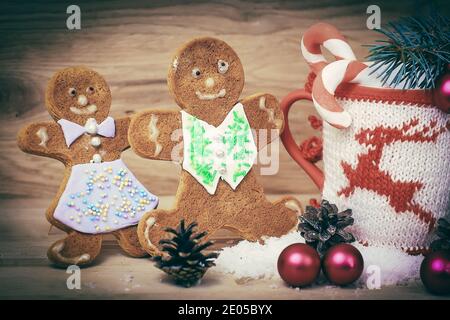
(96, 142)
(96, 158)
(222, 171)
(218, 137)
(220, 153)
(91, 126)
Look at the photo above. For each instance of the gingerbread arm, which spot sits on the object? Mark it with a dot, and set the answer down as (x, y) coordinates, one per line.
(265, 117)
(156, 134)
(43, 139)
(121, 136)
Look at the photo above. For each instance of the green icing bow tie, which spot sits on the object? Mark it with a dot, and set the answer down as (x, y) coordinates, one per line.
(225, 152)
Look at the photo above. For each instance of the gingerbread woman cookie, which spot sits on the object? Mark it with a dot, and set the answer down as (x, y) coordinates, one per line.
(98, 194)
(218, 187)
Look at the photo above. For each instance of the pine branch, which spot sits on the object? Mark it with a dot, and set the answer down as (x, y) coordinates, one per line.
(416, 52)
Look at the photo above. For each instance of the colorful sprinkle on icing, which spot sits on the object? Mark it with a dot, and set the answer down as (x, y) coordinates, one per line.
(103, 198)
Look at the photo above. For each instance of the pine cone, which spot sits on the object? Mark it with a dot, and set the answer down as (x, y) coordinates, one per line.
(323, 227)
(443, 233)
(183, 257)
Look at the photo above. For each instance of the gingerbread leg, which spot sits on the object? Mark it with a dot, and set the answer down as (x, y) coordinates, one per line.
(75, 249)
(267, 219)
(151, 228)
(129, 242)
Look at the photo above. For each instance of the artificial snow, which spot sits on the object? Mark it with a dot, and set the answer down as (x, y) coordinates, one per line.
(251, 260)
(396, 267)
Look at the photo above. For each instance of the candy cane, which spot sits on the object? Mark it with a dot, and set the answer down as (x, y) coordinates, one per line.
(331, 75)
(324, 87)
(327, 35)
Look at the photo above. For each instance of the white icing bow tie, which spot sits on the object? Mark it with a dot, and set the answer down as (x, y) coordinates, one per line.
(73, 130)
(227, 152)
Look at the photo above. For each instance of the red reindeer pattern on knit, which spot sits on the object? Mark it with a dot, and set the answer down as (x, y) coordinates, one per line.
(368, 175)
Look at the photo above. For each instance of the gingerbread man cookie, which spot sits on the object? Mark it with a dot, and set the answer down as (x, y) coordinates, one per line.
(218, 187)
(98, 194)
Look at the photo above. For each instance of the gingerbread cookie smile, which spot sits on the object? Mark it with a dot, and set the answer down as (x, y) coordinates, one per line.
(90, 109)
(211, 96)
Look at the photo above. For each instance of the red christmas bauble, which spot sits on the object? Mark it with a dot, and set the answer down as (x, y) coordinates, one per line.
(435, 272)
(441, 93)
(299, 265)
(342, 264)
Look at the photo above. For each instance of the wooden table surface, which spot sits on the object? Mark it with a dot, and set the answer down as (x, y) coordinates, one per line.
(26, 273)
(131, 43)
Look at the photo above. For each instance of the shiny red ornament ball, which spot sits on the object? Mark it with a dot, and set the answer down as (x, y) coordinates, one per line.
(441, 93)
(435, 272)
(299, 265)
(342, 264)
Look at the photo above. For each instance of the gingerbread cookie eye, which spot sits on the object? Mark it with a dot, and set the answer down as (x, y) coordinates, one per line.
(90, 90)
(196, 73)
(72, 92)
(222, 66)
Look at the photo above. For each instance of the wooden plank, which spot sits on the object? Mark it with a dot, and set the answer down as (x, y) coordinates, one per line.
(25, 271)
(119, 277)
(131, 44)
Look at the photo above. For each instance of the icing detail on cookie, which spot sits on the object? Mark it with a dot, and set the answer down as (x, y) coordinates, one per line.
(211, 96)
(103, 197)
(293, 205)
(90, 109)
(154, 134)
(72, 92)
(57, 249)
(96, 142)
(227, 152)
(220, 153)
(196, 73)
(73, 131)
(43, 136)
(278, 123)
(82, 100)
(91, 126)
(148, 225)
(222, 66)
(96, 158)
(209, 82)
(175, 63)
(262, 106)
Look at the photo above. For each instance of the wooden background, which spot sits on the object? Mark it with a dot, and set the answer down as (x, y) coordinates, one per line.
(131, 43)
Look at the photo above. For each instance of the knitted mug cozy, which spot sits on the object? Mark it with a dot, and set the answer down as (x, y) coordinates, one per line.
(385, 150)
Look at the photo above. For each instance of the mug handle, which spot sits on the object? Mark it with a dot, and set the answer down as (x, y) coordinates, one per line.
(291, 146)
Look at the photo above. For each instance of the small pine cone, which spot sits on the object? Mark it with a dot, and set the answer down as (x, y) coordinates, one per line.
(323, 227)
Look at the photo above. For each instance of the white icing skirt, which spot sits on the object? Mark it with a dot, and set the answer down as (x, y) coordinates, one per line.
(103, 197)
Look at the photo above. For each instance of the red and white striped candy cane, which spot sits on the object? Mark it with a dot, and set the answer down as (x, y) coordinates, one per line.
(324, 87)
(331, 75)
(324, 34)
